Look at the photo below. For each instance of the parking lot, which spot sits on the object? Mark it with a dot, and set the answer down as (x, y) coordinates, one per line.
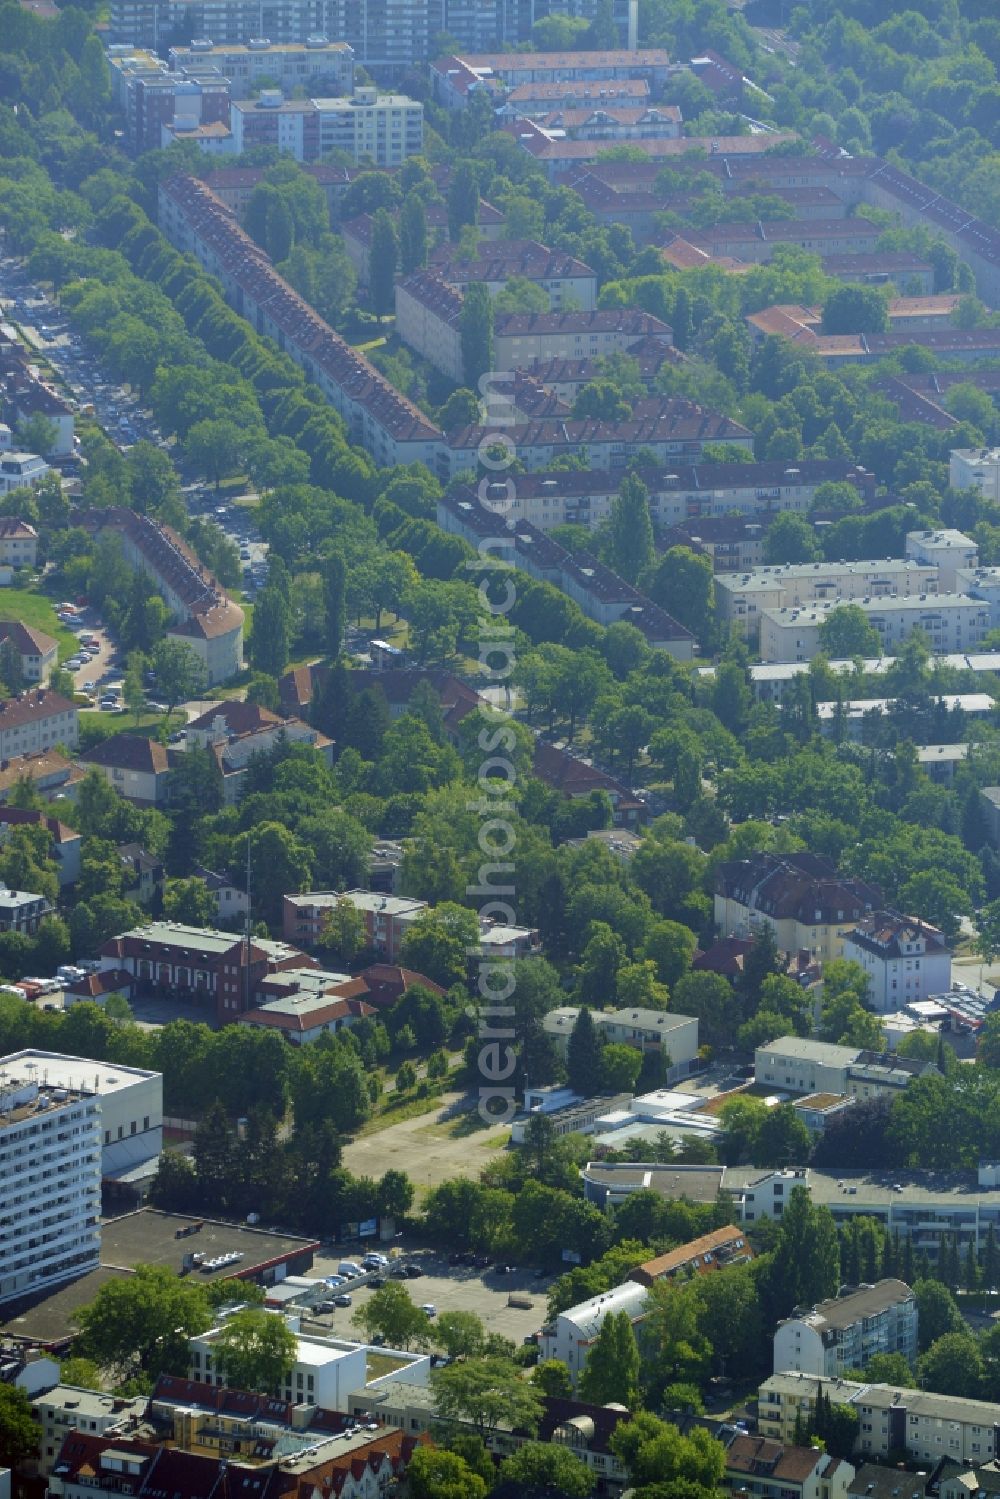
(449, 1288)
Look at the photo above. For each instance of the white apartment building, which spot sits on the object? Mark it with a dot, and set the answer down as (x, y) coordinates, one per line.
(369, 126)
(648, 1030)
(947, 550)
(573, 1333)
(905, 959)
(976, 468)
(37, 720)
(131, 1101)
(926, 1426)
(741, 598)
(521, 338)
(846, 1332)
(798, 1064)
(289, 65)
(952, 622)
(50, 1181)
(981, 583)
(67, 1408)
(20, 471)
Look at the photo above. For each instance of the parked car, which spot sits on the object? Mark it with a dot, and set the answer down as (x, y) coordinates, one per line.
(342, 1300)
(412, 1272)
(324, 1307)
(430, 1309)
(377, 1282)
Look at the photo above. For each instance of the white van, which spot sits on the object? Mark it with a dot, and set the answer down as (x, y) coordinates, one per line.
(348, 1267)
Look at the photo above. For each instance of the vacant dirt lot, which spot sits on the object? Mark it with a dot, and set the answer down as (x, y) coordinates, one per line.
(430, 1148)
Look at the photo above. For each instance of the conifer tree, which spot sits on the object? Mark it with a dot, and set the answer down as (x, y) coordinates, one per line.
(583, 1056)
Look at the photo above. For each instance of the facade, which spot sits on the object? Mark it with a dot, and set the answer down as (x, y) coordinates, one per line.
(18, 542)
(801, 896)
(50, 1186)
(326, 1372)
(316, 65)
(976, 468)
(798, 1064)
(846, 1332)
(37, 720)
(453, 78)
(204, 617)
(947, 550)
(384, 129)
(648, 1030)
(982, 583)
(38, 652)
(926, 1426)
(715, 1251)
(377, 416)
(561, 276)
(905, 959)
(574, 1332)
(214, 969)
(67, 1408)
(742, 597)
(20, 471)
(21, 911)
(387, 917)
(952, 622)
(519, 338)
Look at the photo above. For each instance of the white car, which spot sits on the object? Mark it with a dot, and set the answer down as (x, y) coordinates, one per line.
(74, 663)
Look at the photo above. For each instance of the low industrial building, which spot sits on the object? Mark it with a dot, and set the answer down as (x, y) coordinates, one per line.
(846, 1332)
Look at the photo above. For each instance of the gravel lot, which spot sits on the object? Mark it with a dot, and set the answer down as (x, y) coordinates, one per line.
(430, 1148)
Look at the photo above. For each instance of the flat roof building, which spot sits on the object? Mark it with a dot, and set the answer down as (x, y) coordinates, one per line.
(742, 598)
(952, 622)
(847, 1331)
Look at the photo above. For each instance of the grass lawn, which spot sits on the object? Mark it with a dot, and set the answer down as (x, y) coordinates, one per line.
(34, 609)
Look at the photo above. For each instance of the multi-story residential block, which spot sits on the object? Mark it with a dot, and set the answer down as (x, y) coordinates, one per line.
(315, 64)
(131, 1101)
(530, 100)
(519, 338)
(612, 122)
(18, 542)
(50, 1180)
(20, 471)
(304, 1006)
(28, 394)
(37, 719)
(204, 617)
(215, 969)
(326, 1371)
(854, 718)
(773, 1470)
(948, 550)
(562, 276)
(22, 911)
(952, 622)
(664, 1033)
(357, 232)
(599, 592)
(384, 129)
(756, 241)
(847, 1331)
(905, 959)
(801, 896)
(385, 422)
(452, 78)
(976, 468)
(804, 325)
(37, 652)
(713, 1251)
(924, 1425)
(742, 598)
(235, 732)
(981, 583)
(67, 1408)
(387, 917)
(137, 767)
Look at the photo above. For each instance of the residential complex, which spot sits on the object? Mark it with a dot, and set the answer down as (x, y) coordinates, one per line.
(808, 904)
(50, 1187)
(952, 622)
(35, 720)
(387, 917)
(286, 65)
(742, 599)
(905, 959)
(20, 470)
(383, 129)
(18, 542)
(798, 1064)
(846, 1332)
(675, 1037)
(950, 551)
(37, 653)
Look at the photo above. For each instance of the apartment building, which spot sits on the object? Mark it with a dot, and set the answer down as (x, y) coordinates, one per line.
(801, 896)
(741, 599)
(662, 1032)
(926, 1426)
(234, 732)
(131, 1101)
(847, 1331)
(204, 617)
(714, 1251)
(452, 78)
(773, 1470)
(37, 652)
(35, 720)
(28, 394)
(798, 1064)
(383, 129)
(50, 1181)
(357, 232)
(948, 550)
(387, 917)
(316, 64)
(520, 338)
(65, 842)
(18, 542)
(214, 969)
(67, 1408)
(563, 277)
(906, 959)
(952, 622)
(20, 471)
(755, 242)
(804, 325)
(137, 768)
(599, 592)
(392, 428)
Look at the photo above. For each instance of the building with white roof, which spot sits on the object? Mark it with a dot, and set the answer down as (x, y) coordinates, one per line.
(952, 622)
(976, 468)
(649, 1030)
(982, 583)
(851, 716)
(20, 470)
(946, 549)
(573, 1333)
(741, 598)
(387, 917)
(131, 1101)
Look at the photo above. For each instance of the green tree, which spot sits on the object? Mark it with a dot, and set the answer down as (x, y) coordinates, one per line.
(938, 1315)
(846, 632)
(19, 1433)
(37, 434)
(856, 309)
(611, 1372)
(553, 1378)
(782, 1139)
(343, 930)
(81, 1372)
(790, 538)
(190, 902)
(952, 1365)
(584, 1049)
(682, 583)
(335, 603)
(806, 1264)
(655, 1452)
(141, 1325)
(630, 547)
(255, 1351)
(460, 1334)
(180, 674)
(437, 943)
(436, 1473)
(540, 1469)
(476, 334)
(412, 234)
(463, 199)
(383, 261)
(392, 1312)
(486, 1393)
(269, 641)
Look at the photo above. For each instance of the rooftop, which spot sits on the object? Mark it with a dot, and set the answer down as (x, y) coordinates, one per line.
(53, 1069)
(855, 1304)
